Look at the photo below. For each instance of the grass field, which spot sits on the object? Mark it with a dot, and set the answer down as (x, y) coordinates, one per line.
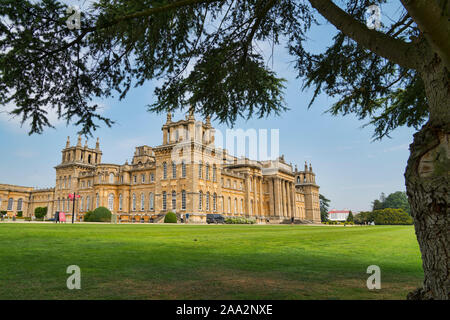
(206, 262)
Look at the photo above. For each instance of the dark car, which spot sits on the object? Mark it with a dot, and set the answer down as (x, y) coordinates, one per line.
(214, 218)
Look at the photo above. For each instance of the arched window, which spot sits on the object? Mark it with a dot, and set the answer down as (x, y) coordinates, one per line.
(200, 170)
(200, 200)
(229, 205)
(215, 201)
(164, 170)
(235, 206)
(183, 200)
(142, 202)
(174, 200)
(143, 178)
(19, 204)
(97, 200)
(81, 203)
(207, 201)
(111, 202)
(214, 173)
(120, 202)
(183, 169)
(174, 170)
(70, 182)
(65, 182)
(10, 204)
(151, 200)
(111, 178)
(133, 204)
(164, 200)
(298, 180)
(88, 203)
(207, 171)
(89, 158)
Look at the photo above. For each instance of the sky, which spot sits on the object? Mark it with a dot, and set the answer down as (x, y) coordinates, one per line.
(351, 169)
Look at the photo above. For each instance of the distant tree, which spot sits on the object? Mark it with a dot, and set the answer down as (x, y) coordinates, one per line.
(377, 205)
(324, 206)
(350, 217)
(397, 200)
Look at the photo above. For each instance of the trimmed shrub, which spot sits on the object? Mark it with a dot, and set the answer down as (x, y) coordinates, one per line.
(40, 212)
(19, 214)
(3, 213)
(101, 214)
(170, 217)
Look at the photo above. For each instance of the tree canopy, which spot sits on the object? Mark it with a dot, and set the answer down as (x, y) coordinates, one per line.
(395, 200)
(206, 52)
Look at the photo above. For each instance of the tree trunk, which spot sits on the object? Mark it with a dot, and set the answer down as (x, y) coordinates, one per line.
(427, 184)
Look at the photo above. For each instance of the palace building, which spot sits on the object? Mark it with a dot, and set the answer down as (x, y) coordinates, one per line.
(186, 174)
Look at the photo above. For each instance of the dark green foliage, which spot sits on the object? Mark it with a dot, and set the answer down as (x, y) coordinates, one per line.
(386, 216)
(170, 217)
(324, 207)
(350, 217)
(87, 216)
(396, 200)
(19, 214)
(3, 213)
(40, 212)
(101, 214)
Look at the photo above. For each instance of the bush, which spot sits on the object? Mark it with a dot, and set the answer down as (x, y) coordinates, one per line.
(19, 214)
(27, 218)
(40, 212)
(170, 217)
(3, 213)
(101, 214)
(386, 216)
(87, 216)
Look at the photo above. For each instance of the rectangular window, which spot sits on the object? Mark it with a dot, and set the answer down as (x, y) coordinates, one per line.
(164, 201)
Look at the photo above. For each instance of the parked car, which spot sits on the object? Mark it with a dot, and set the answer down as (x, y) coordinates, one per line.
(215, 218)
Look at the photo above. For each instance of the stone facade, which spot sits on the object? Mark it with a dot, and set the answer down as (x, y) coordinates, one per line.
(186, 174)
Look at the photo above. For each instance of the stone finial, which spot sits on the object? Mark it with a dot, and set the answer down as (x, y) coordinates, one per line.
(306, 167)
(191, 113)
(296, 169)
(169, 117)
(79, 141)
(208, 120)
(310, 167)
(85, 144)
(68, 142)
(97, 144)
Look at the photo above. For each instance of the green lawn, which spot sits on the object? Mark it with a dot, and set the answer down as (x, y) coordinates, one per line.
(206, 262)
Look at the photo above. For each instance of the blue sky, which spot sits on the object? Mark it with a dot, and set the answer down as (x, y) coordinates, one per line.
(351, 170)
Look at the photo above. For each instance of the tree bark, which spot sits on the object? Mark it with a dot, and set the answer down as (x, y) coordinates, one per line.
(427, 183)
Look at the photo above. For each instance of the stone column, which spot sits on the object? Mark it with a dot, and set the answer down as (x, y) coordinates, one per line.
(271, 200)
(277, 196)
(261, 197)
(294, 206)
(289, 200)
(255, 202)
